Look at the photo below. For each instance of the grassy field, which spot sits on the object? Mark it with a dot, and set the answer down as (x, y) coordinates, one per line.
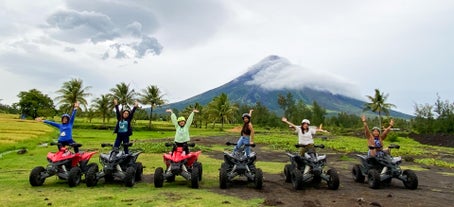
(15, 168)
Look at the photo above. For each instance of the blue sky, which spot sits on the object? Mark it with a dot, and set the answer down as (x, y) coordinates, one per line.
(404, 48)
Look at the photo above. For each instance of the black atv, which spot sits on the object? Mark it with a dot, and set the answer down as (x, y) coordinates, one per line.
(117, 165)
(382, 168)
(309, 169)
(239, 164)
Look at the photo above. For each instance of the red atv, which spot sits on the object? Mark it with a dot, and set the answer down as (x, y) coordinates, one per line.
(179, 163)
(65, 164)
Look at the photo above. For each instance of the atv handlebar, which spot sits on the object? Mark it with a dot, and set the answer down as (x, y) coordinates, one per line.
(234, 144)
(106, 145)
(169, 144)
(321, 146)
(71, 145)
(391, 146)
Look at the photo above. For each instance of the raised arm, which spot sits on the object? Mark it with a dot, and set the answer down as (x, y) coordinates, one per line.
(73, 115)
(136, 105)
(250, 112)
(283, 119)
(117, 110)
(173, 117)
(366, 128)
(191, 118)
(387, 130)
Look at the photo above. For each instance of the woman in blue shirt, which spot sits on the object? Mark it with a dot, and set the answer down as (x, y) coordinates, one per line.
(66, 127)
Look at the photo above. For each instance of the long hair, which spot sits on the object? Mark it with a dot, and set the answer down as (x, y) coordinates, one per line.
(304, 130)
(245, 126)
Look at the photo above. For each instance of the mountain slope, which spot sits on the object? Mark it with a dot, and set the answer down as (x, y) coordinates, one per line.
(275, 75)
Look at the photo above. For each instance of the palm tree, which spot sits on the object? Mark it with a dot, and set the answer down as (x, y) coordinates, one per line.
(152, 96)
(103, 105)
(123, 94)
(220, 109)
(378, 104)
(71, 92)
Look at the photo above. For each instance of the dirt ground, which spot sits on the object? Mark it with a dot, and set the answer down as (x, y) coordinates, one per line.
(436, 185)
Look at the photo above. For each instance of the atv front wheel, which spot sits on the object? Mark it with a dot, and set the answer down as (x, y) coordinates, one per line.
(223, 179)
(139, 171)
(74, 177)
(130, 177)
(373, 178)
(199, 166)
(158, 177)
(258, 178)
(297, 179)
(412, 180)
(90, 177)
(287, 173)
(35, 176)
(357, 174)
(195, 177)
(333, 182)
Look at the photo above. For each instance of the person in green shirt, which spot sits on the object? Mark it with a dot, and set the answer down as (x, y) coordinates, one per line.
(182, 129)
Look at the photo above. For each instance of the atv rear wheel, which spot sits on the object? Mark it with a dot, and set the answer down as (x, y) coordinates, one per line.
(258, 178)
(139, 171)
(35, 176)
(91, 176)
(130, 177)
(288, 173)
(373, 178)
(158, 177)
(74, 177)
(357, 174)
(223, 179)
(297, 179)
(412, 180)
(333, 182)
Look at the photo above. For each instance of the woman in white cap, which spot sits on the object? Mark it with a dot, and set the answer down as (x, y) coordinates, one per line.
(304, 134)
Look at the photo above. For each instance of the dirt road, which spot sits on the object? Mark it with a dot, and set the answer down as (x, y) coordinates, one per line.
(436, 185)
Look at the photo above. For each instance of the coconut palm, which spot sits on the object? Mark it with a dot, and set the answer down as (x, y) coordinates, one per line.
(220, 109)
(123, 94)
(71, 92)
(103, 105)
(378, 104)
(151, 96)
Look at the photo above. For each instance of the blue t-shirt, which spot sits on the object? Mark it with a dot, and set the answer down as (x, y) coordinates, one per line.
(123, 126)
(65, 129)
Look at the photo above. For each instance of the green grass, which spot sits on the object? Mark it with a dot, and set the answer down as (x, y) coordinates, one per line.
(15, 168)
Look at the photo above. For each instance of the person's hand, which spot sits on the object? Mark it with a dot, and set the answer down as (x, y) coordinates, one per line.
(391, 123)
(284, 119)
(115, 102)
(195, 111)
(169, 110)
(363, 118)
(136, 104)
(40, 119)
(76, 105)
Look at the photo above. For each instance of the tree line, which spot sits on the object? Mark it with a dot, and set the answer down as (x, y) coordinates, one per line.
(437, 118)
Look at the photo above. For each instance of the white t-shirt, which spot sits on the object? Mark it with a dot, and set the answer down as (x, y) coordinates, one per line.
(305, 138)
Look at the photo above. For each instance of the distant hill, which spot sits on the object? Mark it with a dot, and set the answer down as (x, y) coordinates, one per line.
(275, 75)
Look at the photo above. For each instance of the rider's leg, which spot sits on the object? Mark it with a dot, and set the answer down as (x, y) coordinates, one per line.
(126, 141)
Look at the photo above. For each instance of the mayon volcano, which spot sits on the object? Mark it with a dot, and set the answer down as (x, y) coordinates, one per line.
(275, 75)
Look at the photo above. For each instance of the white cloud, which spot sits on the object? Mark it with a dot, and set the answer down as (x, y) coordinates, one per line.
(278, 73)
